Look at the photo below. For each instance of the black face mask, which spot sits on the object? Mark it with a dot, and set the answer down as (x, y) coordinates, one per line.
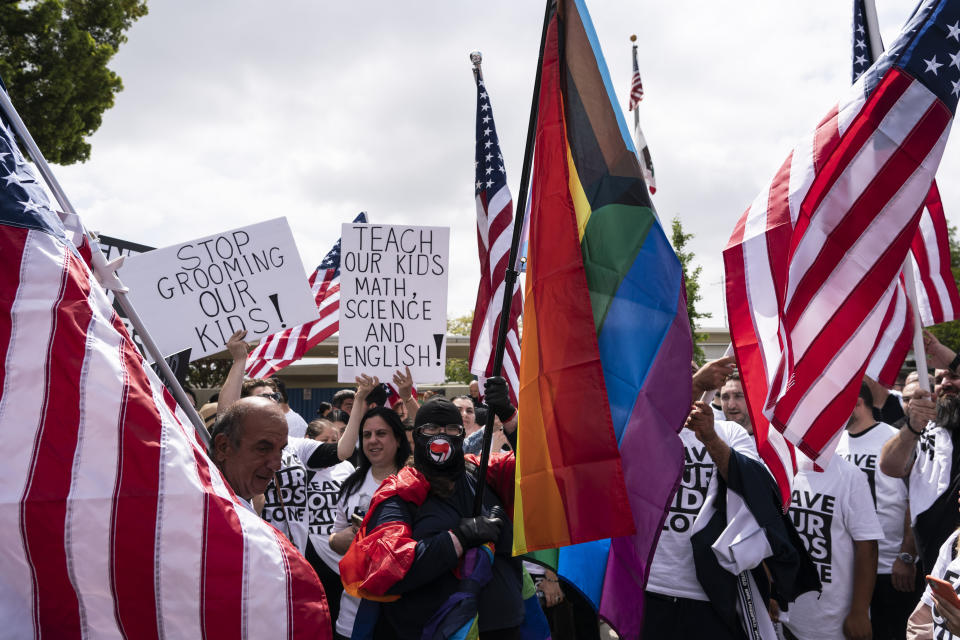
(439, 454)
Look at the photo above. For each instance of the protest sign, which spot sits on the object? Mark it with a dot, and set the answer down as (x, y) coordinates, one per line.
(196, 294)
(393, 301)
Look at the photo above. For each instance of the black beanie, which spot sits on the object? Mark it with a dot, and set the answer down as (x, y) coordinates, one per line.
(438, 411)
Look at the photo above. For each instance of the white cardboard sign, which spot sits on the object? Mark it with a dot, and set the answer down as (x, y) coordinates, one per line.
(196, 294)
(393, 301)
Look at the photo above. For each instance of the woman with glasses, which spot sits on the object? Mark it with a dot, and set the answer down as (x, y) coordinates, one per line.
(383, 451)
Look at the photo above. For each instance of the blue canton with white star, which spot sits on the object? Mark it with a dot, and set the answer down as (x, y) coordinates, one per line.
(862, 51)
(23, 202)
(332, 259)
(931, 50)
(490, 173)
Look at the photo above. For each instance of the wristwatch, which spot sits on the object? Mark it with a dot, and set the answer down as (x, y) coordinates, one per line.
(906, 557)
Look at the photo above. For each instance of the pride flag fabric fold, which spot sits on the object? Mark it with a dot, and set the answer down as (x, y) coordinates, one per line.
(605, 366)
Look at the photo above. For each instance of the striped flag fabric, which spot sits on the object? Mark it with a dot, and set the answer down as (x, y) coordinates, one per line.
(639, 140)
(114, 521)
(606, 338)
(285, 347)
(937, 296)
(823, 244)
(494, 235)
(636, 85)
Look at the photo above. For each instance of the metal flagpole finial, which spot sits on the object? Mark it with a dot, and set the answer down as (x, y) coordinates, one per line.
(633, 38)
(476, 58)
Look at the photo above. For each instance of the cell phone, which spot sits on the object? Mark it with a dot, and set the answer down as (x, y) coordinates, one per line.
(945, 590)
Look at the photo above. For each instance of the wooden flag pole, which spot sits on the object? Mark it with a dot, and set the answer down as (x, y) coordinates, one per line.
(510, 278)
(105, 272)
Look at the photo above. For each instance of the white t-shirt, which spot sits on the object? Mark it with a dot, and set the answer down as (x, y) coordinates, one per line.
(296, 425)
(308, 496)
(830, 510)
(947, 567)
(889, 494)
(672, 572)
(357, 502)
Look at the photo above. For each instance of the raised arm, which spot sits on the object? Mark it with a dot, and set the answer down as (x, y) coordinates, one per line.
(700, 421)
(404, 383)
(230, 391)
(712, 375)
(348, 441)
(896, 457)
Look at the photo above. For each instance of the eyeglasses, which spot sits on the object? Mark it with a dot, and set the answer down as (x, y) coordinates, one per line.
(435, 429)
(276, 397)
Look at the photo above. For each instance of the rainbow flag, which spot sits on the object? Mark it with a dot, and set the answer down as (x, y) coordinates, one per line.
(605, 367)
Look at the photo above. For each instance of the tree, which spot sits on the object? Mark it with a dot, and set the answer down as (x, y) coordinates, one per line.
(949, 332)
(53, 60)
(458, 369)
(691, 279)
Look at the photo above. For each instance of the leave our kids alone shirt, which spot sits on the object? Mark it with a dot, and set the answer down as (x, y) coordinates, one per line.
(889, 494)
(830, 509)
(672, 572)
(305, 507)
(946, 568)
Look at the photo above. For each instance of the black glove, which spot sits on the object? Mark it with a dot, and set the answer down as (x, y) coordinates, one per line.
(473, 532)
(497, 398)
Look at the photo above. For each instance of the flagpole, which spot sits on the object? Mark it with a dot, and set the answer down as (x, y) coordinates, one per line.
(919, 353)
(636, 112)
(105, 272)
(510, 277)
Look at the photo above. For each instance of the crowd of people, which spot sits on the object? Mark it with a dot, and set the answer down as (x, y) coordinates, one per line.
(378, 494)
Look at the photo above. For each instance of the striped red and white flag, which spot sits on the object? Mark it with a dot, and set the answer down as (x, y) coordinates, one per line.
(114, 521)
(937, 296)
(636, 86)
(812, 264)
(494, 235)
(285, 347)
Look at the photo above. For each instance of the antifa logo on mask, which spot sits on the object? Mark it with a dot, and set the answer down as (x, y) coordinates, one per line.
(440, 450)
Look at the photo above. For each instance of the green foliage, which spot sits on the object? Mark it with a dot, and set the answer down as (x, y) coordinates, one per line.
(691, 278)
(461, 325)
(949, 332)
(208, 373)
(458, 369)
(53, 59)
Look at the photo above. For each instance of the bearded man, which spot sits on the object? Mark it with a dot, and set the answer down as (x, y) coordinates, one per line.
(420, 523)
(927, 450)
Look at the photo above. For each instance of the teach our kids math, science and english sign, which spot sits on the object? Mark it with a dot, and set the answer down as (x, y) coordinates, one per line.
(393, 301)
(196, 294)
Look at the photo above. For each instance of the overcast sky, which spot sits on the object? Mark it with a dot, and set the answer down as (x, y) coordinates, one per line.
(235, 111)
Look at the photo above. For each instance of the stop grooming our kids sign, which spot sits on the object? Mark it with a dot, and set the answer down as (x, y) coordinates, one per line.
(197, 294)
(393, 301)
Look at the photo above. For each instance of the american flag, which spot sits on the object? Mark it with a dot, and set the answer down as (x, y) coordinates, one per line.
(640, 141)
(281, 349)
(114, 521)
(937, 296)
(636, 86)
(494, 235)
(823, 244)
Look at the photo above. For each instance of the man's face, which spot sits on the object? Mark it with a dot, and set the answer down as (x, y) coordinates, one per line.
(733, 404)
(467, 412)
(263, 390)
(250, 465)
(908, 390)
(474, 389)
(947, 383)
(347, 405)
